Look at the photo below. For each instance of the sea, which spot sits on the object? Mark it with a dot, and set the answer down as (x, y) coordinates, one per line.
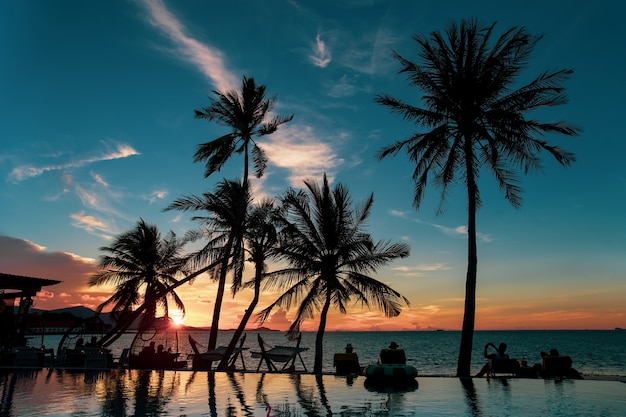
(599, 355)
(433, 353)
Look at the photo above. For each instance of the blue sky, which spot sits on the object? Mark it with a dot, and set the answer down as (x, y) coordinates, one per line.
(97, 130)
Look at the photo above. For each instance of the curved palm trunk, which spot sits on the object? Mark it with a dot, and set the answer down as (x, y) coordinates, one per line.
(121, 327)
(469, 316)
(319, 337)
(244, 320)
(221, 288)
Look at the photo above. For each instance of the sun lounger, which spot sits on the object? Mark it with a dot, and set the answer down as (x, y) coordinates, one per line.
(556, 366)
(504, 366)
(203, 360)
(282, 354)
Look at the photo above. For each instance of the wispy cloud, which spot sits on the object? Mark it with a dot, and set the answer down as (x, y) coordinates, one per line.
(450, 231)
(345, 87)
(29, 171)
(459, 231)
(294, 147)
(321, 56)
(97, 197)
(420, 270)
(370, 54)
(98, 178)
(156, 195)
(209, 61)
(297, 150)
(398, 213)
(93, 225)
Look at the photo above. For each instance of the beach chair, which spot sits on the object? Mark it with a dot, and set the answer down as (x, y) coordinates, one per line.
(203, 360)
(556, 366)
(346, 364)
(282, 354)
(122, 361)
(503, 366)
(96, 358)
(25, 357)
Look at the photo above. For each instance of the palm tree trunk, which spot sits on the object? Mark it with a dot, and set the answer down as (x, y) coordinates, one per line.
(221, 288)
(245, 165)
(319, 338)
(469, 315)
(244, 320)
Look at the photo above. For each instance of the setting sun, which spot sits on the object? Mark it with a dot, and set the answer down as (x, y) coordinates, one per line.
(177, 317)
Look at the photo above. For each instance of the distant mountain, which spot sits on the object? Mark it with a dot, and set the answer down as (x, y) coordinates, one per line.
(78, 311)
(83, 313)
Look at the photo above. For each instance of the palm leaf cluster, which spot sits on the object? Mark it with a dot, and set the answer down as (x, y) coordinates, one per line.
(323, 240)
(143, 265)
(245, 113)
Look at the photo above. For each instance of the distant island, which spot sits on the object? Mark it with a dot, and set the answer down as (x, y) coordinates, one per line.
(61, 320)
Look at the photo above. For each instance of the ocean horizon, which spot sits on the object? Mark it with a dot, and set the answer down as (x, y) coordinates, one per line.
(596, 353)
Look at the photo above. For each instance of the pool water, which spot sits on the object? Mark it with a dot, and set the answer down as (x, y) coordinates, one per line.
(187, 393)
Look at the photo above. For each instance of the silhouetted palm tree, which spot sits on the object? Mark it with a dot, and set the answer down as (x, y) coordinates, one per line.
(323, 240)
(260, 237)
(475, 118)
(143, 266)
(224, 226)
(245, 113)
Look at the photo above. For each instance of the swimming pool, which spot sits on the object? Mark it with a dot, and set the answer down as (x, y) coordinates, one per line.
(186, 393)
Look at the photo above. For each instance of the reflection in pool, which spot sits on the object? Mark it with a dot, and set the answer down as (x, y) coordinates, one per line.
(187, 393)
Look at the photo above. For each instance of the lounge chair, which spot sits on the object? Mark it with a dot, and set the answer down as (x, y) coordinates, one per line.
(346, 364)
(203, 360)
(395, 356)
(26, 357)
(556, 366)
(282, 354)
(122, 361)
(96, 358)
(503, 366)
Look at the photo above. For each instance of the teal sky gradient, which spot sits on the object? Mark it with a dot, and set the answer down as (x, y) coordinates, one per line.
(98, 130)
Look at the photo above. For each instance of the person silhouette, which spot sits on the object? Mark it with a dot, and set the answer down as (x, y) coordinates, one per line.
(499, 354)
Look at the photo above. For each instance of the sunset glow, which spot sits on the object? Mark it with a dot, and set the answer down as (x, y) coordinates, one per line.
(98, 131)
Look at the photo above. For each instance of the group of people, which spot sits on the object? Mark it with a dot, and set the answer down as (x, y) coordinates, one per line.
(524, 368)
(348, 362)
(92, 344)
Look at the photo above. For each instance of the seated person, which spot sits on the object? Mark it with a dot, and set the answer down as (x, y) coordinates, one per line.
(348, 362)
(148, 351)
(554, 365)
(499, 354)
(93, 343)
(80, 343)
(526, 370)
(393, 355)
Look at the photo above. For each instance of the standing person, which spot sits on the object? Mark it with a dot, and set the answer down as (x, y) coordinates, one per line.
(500, 354)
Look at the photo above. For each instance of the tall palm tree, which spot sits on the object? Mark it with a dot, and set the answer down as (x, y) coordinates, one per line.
(261, 237)
(143, 266)
(475, 118)
(224, 226)
(245, 113)
(322, 238)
